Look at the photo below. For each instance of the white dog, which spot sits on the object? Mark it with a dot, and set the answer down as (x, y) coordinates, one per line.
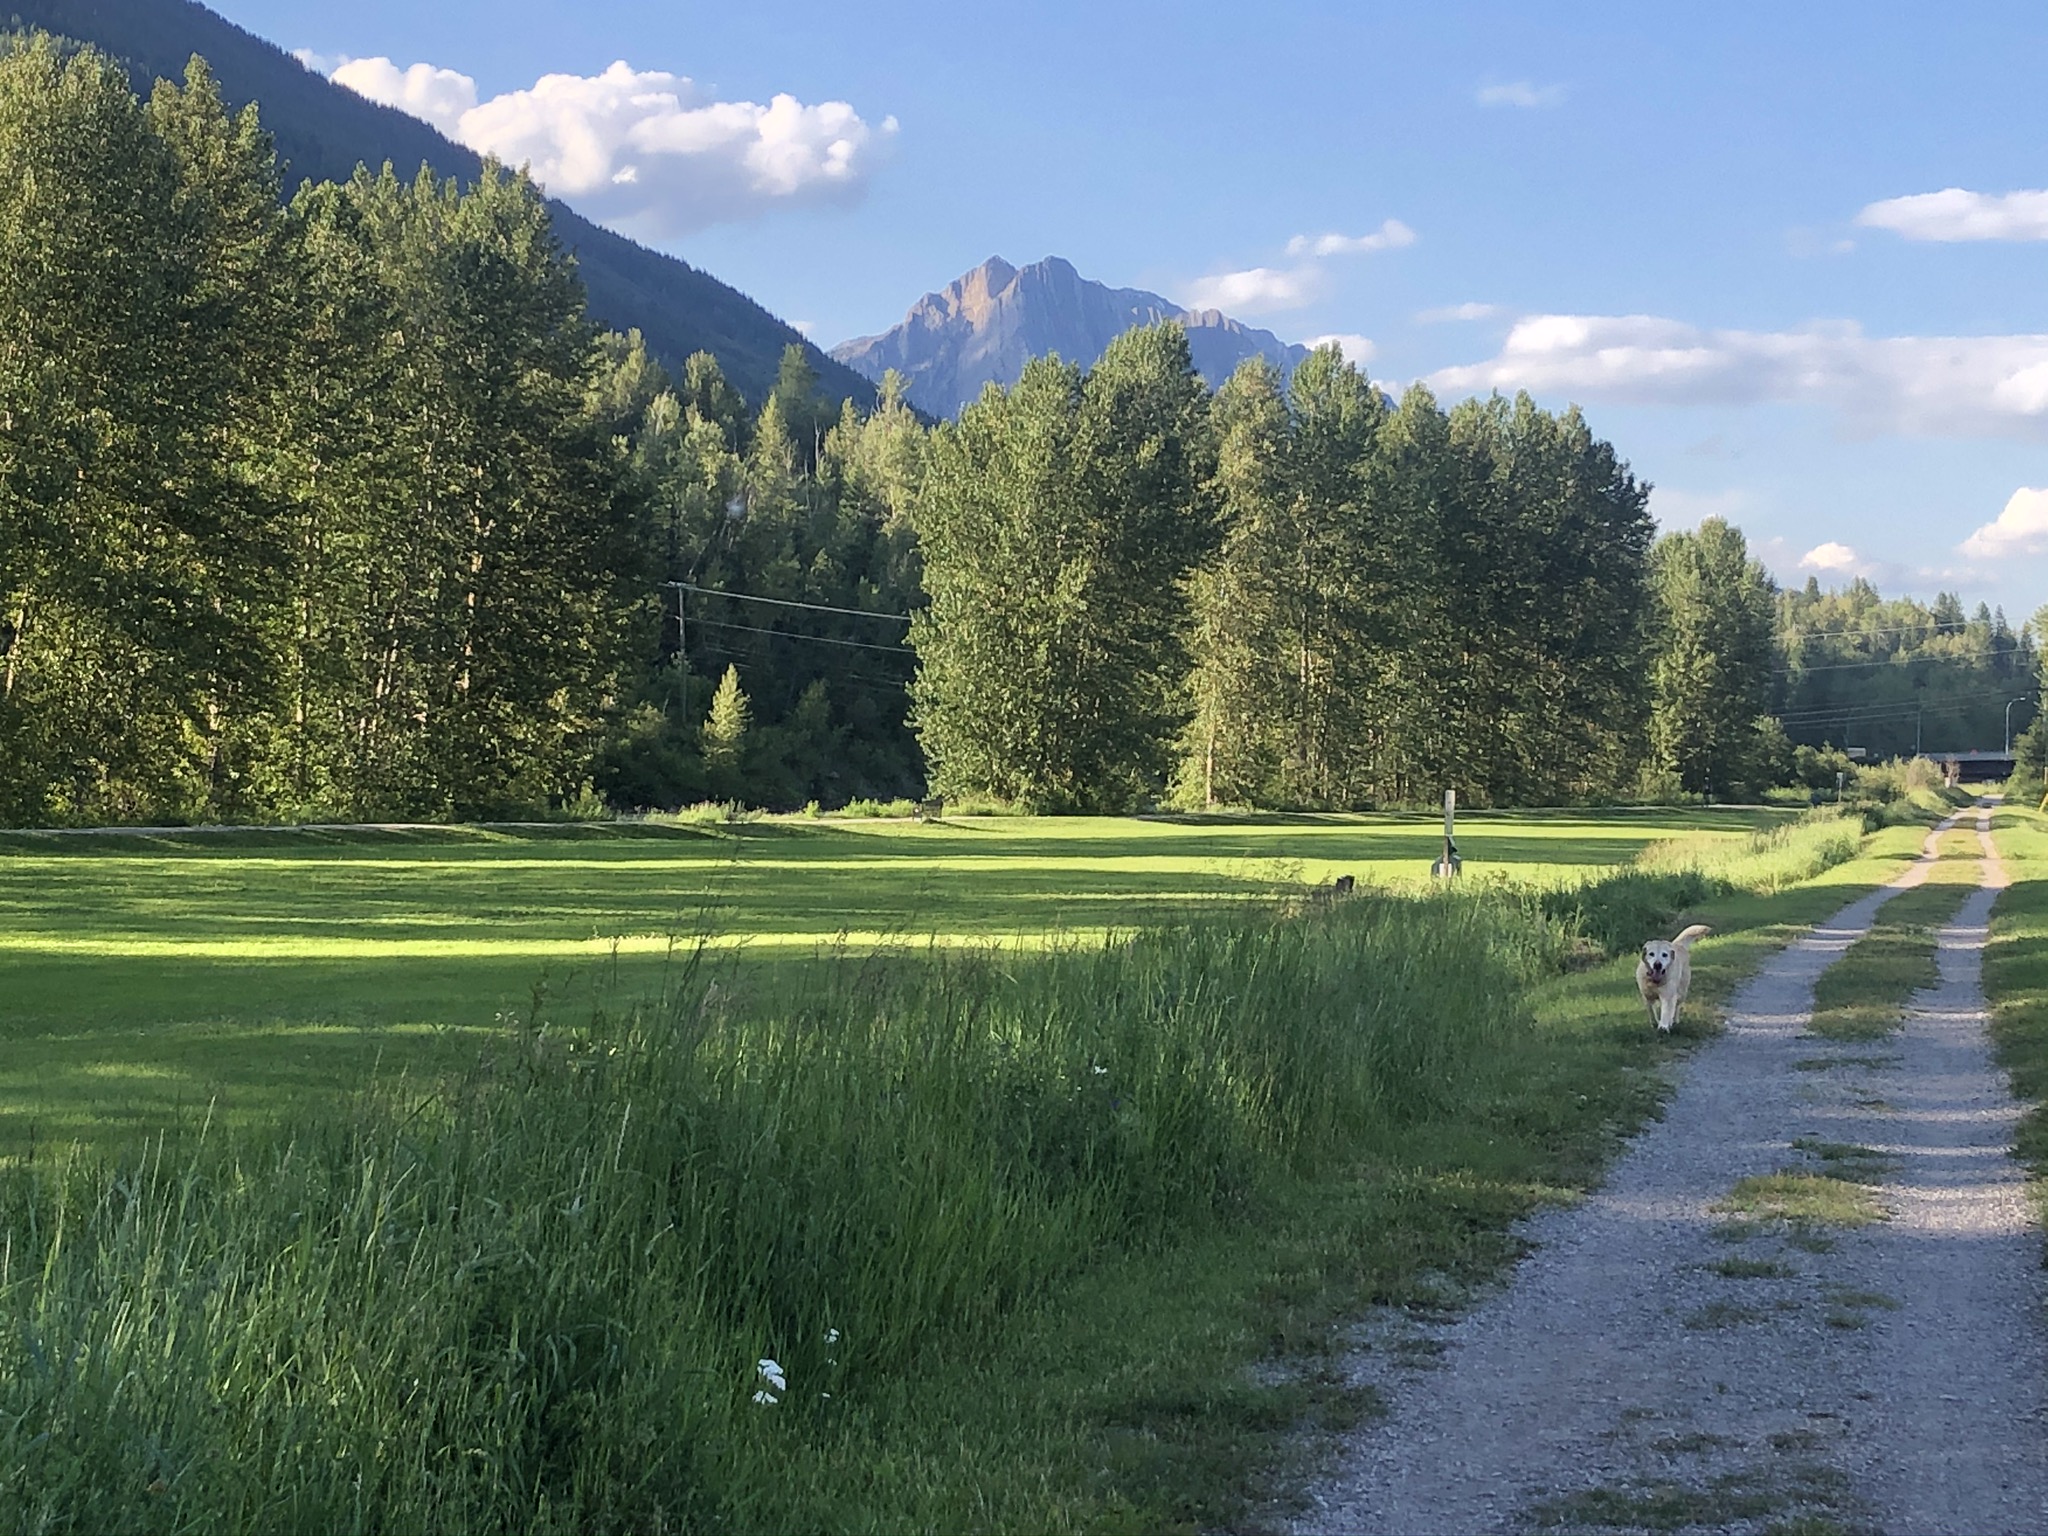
(1664, 974)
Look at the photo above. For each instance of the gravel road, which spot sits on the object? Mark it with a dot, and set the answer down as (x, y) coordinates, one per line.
(1654, 1366)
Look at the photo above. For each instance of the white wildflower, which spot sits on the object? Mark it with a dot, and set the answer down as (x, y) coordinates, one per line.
(831, 1335)
(766, 1397)
(772, 1374)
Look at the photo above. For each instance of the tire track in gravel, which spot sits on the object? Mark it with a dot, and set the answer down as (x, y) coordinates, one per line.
(1652, 1365)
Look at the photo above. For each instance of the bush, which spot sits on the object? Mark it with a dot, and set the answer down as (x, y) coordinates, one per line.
(585, 805)
(900, 810)
(1905, 791)
(1828, 770)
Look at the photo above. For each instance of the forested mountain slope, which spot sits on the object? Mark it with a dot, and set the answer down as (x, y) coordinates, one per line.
(324, 130)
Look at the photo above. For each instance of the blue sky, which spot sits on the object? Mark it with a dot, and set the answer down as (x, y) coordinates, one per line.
(1710, 226)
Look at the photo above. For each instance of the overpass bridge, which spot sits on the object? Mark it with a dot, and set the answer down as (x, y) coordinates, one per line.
(1975, 767)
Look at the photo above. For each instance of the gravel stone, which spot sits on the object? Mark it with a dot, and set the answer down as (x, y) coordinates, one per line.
(1652, 1366)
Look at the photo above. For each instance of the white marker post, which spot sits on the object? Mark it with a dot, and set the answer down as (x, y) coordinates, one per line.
(1447, 866)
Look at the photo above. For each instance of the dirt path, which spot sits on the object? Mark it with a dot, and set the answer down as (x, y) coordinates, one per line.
(1655, 1366)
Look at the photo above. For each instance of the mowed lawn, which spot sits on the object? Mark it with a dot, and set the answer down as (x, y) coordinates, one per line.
(153, 981)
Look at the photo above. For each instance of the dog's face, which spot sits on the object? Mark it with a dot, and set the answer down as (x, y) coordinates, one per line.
(1658, 956)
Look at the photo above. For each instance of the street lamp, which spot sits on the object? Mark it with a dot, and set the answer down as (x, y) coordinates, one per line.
(2008, 720)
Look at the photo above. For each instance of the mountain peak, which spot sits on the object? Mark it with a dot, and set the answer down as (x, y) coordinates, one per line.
(987, 323)
(995, 272)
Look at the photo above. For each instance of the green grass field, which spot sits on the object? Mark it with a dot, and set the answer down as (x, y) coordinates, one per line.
(150, 979)
(1051, 1237)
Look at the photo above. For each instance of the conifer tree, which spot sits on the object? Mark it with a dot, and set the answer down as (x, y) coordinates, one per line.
(725, 728)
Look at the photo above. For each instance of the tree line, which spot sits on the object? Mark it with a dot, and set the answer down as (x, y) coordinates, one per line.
(337, 505)
(1297, 593)
(1898, 677)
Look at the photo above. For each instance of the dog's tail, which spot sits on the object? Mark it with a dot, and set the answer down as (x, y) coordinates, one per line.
(1696, 931)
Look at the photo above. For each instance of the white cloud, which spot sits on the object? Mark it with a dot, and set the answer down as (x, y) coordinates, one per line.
(643, 150)
(1954, 214)
(1255, 291)
(1521, 93)
(1714, 446)
(2021, 529)
(1266, 290)
(1943, 386)
(1390, 236)
(1834, 562)
(319, 63)
(1831, 556)
(1357, 350)
(1458, 312)
(433, 95)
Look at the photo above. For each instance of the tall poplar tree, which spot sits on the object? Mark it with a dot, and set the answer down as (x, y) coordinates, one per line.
(1060, 521)
(104, 523)
(1300, 618)
(1715, 652)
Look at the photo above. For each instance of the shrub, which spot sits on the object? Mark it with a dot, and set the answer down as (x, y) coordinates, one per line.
(878, 809)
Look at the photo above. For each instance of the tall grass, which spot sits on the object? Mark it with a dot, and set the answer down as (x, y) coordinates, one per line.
(544, 1297)
(538, 1300)
(1616, 910)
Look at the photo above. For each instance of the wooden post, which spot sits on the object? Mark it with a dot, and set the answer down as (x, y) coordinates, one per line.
(1447, 866)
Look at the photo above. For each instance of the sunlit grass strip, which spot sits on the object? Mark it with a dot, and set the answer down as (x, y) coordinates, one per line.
(310, 947)
(1769, 859)
(1864, 995)
(1810, 1199)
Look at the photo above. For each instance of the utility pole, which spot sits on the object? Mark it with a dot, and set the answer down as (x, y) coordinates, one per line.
(2008, 721)
(682, 629)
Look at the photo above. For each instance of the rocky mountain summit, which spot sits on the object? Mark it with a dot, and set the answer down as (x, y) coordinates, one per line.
(986, 325)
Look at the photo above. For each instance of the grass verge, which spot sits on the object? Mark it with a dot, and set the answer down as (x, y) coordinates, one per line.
(1863, 996)
(1057, 1242)
(2016, 977)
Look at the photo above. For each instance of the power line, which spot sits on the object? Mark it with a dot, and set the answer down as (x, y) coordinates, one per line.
(1885, 661)
(1873, 711)
(1851, 714)
(2028, 690)
(856, 645)
(1939, 626)
(1881, 711)
(783, 602)
(889, 685)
